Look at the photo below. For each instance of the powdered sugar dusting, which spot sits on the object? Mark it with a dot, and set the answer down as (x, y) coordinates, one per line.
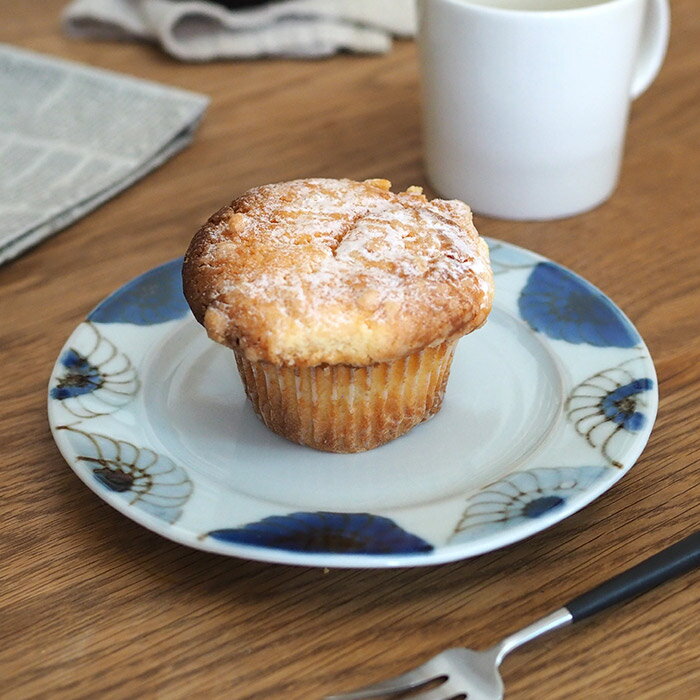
(315, 256)
(317, 239)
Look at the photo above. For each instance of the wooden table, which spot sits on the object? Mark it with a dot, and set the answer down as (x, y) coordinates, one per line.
(92, 605)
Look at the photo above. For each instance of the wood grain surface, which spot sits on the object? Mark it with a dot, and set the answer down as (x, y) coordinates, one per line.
(94, 606)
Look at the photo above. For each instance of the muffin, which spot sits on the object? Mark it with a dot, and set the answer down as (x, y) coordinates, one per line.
(342, 302)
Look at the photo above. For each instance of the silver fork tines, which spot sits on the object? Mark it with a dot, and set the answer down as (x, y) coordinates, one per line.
(416, 677)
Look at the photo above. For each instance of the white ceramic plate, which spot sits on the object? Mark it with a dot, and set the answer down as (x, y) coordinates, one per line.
(547, 406)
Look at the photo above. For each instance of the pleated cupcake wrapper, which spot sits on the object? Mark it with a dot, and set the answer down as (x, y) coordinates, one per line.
(339, 408)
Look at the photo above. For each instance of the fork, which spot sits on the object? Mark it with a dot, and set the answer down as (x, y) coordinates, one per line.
(466, 673)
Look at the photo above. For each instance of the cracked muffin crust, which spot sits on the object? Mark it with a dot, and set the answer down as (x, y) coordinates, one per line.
(320, 271)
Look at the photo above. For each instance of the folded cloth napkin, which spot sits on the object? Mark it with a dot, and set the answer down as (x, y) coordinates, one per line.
(194, 30)
(72, 136)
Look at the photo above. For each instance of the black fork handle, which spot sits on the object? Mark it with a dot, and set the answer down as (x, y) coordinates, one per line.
(673, 561)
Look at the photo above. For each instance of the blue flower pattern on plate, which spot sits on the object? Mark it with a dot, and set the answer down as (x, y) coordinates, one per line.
(80, 377)
(523, 496)
(147, 480)
(563, 306)
(154, 297)
(325, 532)
(608, 404)
(96, 379)
(620, 405)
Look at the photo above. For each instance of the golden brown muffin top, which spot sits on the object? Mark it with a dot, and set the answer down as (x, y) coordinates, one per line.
(323, 271)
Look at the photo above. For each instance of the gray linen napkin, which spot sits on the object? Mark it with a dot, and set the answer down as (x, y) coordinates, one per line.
(72, 136)
(194, 30)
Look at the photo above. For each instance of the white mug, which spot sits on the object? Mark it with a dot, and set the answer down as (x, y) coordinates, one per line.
(526, 101)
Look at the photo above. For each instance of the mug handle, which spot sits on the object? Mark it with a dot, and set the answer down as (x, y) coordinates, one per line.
(657, 29)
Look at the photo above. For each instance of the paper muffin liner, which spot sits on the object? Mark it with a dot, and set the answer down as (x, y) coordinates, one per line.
(339, 408)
